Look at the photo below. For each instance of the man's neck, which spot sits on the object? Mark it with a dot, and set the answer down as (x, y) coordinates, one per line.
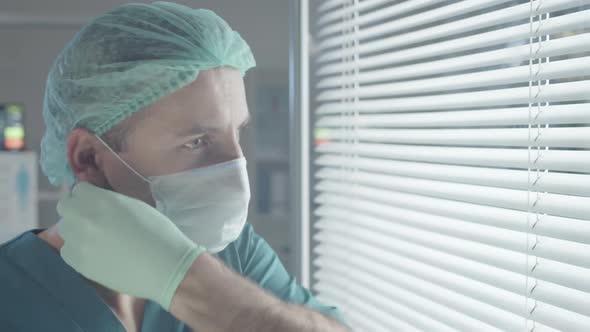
(128, 309)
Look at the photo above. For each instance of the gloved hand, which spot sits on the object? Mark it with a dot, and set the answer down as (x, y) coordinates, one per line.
(124, 244)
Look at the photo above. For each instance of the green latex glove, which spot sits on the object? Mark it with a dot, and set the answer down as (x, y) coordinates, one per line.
(124, 244)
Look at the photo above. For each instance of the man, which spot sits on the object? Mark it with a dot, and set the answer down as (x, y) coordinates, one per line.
(143, 111)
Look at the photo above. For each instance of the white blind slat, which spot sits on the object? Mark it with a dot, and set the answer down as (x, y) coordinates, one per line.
(366, 314)
(556, 160)
(369, 255)
(574, 21)
(329, 4)
(381, 301)
(338, 13)
(553, 182)
(575, 230)
(556, 137)
(482, 312)
(555, 114)
(573, 91)
(442, 13)
(548, 292)
(576, 44)
(374, 16)
(510, 281)
(415, 301)
(559, 69)
(550, 248)
(554, 204)
(414, 277)
(470, 250)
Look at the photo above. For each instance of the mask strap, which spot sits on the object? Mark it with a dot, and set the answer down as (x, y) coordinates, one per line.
(121, 159)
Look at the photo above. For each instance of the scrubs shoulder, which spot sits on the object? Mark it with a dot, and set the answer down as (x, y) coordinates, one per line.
(252, 257)
(40, 292)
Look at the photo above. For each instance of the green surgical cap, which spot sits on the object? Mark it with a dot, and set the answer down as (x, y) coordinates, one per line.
(125, 60)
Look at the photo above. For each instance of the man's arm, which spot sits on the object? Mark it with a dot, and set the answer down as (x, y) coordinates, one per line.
(128, 246)
(211, 297)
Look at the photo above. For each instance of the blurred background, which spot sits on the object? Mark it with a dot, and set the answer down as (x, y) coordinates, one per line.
(32, 32)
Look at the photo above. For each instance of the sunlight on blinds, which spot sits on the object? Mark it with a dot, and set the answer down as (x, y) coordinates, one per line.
(451, 163)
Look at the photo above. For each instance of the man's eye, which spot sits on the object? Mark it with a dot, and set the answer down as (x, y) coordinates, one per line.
(195, 144)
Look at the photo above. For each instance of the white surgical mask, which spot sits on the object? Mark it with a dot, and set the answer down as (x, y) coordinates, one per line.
(209, 205)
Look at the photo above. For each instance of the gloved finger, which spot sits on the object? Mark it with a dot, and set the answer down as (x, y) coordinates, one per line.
(63, 206)
(70, 230)
(85, 191)
(85, 199)
(73, 256)
(69, 207)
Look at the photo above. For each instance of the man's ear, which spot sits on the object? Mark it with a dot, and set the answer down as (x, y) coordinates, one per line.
(83, 157)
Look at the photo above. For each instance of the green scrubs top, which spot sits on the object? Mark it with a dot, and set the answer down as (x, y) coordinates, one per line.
(40, 292)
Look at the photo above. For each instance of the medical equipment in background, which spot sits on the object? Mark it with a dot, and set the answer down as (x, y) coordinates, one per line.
(12, 131)
(18, 175)
(18, 193)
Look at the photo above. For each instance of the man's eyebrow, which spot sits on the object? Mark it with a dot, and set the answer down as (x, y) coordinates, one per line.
(199, 130)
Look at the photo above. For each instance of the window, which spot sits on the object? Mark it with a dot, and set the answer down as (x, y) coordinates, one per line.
(450, 167)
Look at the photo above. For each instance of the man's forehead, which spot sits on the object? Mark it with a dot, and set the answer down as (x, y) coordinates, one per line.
(221, 103)
(214, 101)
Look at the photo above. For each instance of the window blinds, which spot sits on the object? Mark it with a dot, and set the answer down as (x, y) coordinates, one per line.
(451, 164)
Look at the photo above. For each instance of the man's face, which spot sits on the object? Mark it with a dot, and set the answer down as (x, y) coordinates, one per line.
(195, 127)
